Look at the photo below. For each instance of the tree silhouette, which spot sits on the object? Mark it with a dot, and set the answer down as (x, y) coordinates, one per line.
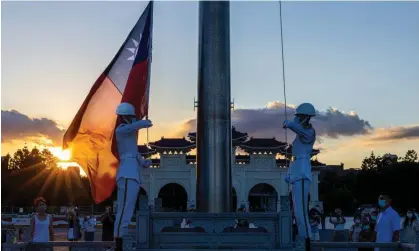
(370, 163)
(32, 173)
(387, 174)
(411, 156)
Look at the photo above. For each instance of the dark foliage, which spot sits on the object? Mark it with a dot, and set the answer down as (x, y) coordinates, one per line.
(32, 173)
(397, 177)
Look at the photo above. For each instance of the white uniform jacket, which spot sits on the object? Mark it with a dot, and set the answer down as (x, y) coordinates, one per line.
(302, 146)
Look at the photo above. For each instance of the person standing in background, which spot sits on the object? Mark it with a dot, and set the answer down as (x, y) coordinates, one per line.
(42, 229)
(410, 227)
(338, 221)
(388, 222)
(367, 233)
(74, 233)
(415, 213)
(355, 229)
(374, 215)
(108, 223)
(315, 219)
(89, 226)
(322, 216)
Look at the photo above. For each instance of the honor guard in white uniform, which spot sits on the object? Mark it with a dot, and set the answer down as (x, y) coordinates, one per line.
(130, 162)
(299, 172)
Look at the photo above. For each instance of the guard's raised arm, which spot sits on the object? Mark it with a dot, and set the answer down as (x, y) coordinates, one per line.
(135, 126)
(299, 129)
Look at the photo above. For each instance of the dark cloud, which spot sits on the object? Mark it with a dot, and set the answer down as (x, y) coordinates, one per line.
(267, 122)
(15, 125)
(397, 133)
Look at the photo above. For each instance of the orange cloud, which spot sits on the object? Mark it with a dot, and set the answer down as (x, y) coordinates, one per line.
(352, 150)
(396, 133)
(18, 126)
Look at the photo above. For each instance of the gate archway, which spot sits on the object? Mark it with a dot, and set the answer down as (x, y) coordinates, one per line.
(263, 198)
(173, 197)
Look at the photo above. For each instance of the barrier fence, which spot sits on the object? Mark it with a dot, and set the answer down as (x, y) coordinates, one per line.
(103, 246)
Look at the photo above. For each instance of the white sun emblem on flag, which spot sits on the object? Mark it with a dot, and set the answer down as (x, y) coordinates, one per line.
(134, 50)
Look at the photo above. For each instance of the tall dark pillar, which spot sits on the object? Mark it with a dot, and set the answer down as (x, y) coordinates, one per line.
(214, 109)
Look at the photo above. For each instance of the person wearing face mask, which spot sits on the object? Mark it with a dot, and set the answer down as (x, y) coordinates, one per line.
(89, 225)
(73, 233)
(374, 215)
(355, 229)
(299, 171)
(410, 227)
(130, 162)
(415, 213)
(42, 229)
(367, 233)
(338, 221)
(388, 222)
(315, 220)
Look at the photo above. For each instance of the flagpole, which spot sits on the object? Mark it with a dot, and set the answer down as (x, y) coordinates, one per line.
(150, 55)
(213, 142)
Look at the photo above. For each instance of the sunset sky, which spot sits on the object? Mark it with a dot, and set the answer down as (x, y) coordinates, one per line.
(357, 62)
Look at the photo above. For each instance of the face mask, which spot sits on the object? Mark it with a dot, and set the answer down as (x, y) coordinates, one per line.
(366, 227)
(357, 221)
(409, 215)
(373, 217)
(382, 203)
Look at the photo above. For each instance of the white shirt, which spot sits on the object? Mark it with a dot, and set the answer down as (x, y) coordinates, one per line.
(388, 222)
(89, 225)
(338, 224)
(41, 229)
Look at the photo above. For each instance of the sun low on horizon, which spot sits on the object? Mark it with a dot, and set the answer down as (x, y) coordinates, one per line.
(64, 155)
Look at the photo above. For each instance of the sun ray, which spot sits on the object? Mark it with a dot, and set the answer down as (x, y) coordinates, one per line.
(58, 182)
(48, 182)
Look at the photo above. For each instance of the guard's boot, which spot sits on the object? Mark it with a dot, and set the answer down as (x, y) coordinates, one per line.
(118, 244)
(308, 246)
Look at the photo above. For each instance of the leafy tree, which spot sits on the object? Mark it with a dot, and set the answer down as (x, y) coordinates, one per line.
(370, 163)
(377, 175)
(32, 173)
(411, 156)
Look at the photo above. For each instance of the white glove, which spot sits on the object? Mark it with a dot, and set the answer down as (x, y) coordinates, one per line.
(286, 123)
(287, 179)
(146, 123)
(147, 163)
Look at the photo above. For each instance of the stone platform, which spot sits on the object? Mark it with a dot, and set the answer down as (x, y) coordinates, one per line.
(214, 231)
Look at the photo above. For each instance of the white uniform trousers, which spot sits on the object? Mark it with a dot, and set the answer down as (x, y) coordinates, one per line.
(127, 197)
(300, 191)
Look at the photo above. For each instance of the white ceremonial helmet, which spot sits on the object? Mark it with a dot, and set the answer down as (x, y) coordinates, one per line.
(125, 109)
(306, 109)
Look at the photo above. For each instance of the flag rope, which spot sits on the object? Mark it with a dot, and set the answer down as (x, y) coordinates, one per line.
(150, 57)
(283, 81)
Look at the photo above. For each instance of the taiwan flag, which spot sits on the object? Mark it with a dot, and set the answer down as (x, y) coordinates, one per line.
(91, 133)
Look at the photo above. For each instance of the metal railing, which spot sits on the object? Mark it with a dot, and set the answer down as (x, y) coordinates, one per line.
(353, 246)
(103, 246)
(49, 246)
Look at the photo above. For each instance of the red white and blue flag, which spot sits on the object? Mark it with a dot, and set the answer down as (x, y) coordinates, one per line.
(126, 79)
